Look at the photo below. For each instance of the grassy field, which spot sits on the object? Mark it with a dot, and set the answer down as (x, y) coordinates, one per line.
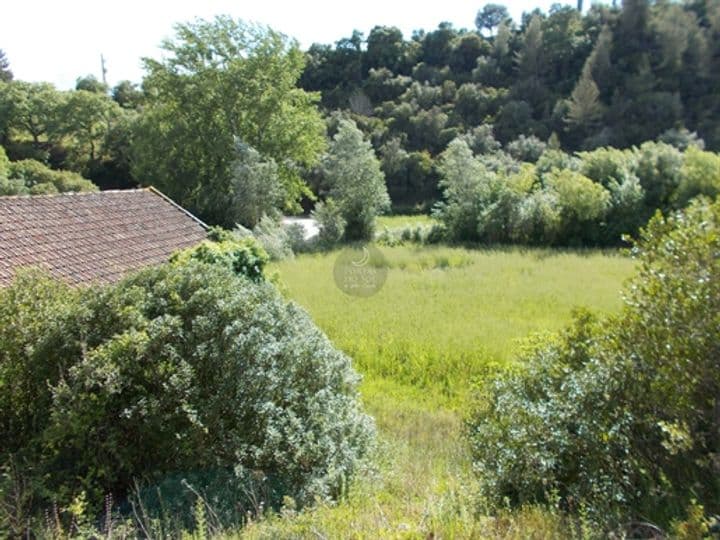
(402, 221)
(443, 317)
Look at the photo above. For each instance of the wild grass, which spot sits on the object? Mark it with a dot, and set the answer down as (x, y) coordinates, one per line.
(444, 316)
(401, 221)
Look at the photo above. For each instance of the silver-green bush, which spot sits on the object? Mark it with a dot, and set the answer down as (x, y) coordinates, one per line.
(177, 370)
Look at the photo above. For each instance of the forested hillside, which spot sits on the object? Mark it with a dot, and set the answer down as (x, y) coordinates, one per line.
(614, 76)
(229, 98)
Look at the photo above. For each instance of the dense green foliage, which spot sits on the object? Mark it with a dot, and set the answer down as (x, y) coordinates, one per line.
(619, 417)
(593, 198)
(183, 368)
(444, 317)
(355, 182)
(243, 256)
(613, 76)
(221, 80)
(255, 186)
(30, 177)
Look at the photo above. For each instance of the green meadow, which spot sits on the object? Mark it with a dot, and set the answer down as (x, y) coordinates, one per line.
(444, 317)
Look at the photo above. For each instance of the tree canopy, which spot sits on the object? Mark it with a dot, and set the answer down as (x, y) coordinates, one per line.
(221, 80)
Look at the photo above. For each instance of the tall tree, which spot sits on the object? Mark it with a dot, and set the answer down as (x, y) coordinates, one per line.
(529, 58)
(599, 62)
(33, 109)
(357, 184)
(584, 107)
(255, 187)
(490, 16)
(90, 83)
(6, 75)
(85, 119)
(219, 80)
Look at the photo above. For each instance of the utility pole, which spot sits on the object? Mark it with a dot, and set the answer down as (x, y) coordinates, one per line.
(103, 69)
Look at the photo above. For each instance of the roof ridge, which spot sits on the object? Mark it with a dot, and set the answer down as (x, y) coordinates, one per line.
(74, 193)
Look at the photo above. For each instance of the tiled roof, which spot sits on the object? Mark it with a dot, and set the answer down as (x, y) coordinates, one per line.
(92, 237)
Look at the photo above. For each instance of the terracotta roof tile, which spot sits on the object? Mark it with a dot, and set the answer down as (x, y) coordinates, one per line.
(86, 237)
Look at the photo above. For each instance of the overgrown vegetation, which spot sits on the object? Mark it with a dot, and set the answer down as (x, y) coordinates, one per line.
(186, 370)
(30, 177)
(593, 198)
(619, 417)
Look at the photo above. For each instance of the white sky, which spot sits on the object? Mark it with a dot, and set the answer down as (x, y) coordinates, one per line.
(60, 40)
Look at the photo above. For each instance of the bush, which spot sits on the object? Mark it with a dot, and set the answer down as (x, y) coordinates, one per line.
(273, 238)
(180, 368)
(527, 149)
(35, 178)
(700, 176)
(582, 204)
(244, 256)
(330, 222)
(659, 170)
(618, 417)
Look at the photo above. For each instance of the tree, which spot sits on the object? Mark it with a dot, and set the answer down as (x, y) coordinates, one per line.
(127, 95)
(85, 119)
(220, 80)
(385, 48)
(529, 58)
(465, 184)
(90, 83)
(6, 75)
(30, 177)
(33, 109)
(357, 184)
(490, 16)
(584, 108)
(614, 416)
(598, 64)
(255, 187)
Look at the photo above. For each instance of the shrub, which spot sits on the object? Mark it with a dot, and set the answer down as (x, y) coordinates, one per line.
(682, 139)
(556, 159)
(619, 417)
(527, 149)
(582, 204)
(605, 165)
(700, 176)
(659, 170)
(296, 238)
(330, 222)
(179, 369)
(273, 237)
(244, 256)
(38, 179)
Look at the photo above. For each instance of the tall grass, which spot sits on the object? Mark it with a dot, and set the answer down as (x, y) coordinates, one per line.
(444, 316)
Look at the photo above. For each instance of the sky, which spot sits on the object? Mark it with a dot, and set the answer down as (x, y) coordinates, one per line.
(61, 40)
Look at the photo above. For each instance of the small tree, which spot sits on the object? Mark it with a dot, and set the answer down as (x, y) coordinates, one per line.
(619, 417)
(465, 183)
(6, 75)
(490, 16)
(255, 187)
(357, 184)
